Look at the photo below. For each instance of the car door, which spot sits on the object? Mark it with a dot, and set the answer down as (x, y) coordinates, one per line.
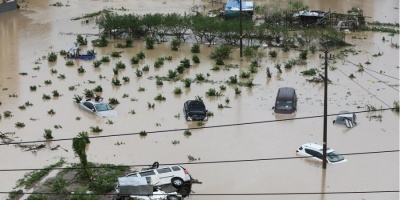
(165, 175)
(89, 106)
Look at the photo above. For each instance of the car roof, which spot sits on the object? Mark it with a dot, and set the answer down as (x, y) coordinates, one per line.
(285, 93)
(95, 102)
(316, 146)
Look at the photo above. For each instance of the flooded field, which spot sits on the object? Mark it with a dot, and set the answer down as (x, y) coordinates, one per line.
(35, 30)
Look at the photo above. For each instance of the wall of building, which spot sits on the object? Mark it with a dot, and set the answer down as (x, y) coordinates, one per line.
(7, 6)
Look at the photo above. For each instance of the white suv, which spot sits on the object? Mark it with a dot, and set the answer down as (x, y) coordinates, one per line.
(175, 175)
(316, 151)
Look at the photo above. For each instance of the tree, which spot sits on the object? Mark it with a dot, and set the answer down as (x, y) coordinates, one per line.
(79, 147)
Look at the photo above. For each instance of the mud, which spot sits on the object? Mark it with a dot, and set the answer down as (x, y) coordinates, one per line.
(37, 29)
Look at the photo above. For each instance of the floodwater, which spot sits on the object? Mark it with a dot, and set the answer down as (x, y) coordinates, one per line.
(32, 32)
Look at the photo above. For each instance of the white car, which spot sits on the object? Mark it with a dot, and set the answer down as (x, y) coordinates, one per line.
(99, 108)
(175, 175)
(346, 118)
(316, 151)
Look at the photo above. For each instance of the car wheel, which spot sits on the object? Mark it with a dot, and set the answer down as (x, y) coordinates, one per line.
(177, 182)
(173, 197)
(184, 191)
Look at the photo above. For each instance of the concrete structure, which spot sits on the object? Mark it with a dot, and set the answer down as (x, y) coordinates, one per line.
(7, 5)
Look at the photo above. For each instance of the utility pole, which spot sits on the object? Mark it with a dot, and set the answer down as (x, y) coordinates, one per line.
(241, 29)
(325, 106)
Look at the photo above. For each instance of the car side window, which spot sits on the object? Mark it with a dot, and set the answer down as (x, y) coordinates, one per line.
(176, 168)
(147, 173)
(164, 170)
(88, 105)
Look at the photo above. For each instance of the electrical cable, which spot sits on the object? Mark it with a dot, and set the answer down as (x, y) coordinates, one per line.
(183, 129)
(217, 194)
(374, 76)
(363, 88)
(199, 163)
(371, 70)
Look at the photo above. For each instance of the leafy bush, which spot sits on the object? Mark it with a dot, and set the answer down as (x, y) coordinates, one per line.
(272, 53)
(120, 65)
(80, 40)
(159, 97)
(177, 90)
(105, 59)
(69, 63)
(200, 77)
(187, 82)
(115, 54)
(96, 63)
(195, 59)
(233, 79)
(52, 57)
(48, 134)
(221, 52)
(134, 60)
(195, 48)
(303, 55)
(149, 42)
(172, 74)
(175, 44)
(140, 55)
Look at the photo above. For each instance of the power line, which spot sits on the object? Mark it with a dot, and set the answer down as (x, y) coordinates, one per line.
(374, 76)
(219, 194)
(363, 88)
(204, 162)
(371, 70)
(183, 129)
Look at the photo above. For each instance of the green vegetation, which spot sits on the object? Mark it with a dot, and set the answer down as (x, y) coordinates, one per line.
(48, 134)
(195, 48)
(52, 57)
(159, 97)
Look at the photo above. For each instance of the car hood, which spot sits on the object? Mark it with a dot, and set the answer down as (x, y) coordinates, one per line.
(108, 113)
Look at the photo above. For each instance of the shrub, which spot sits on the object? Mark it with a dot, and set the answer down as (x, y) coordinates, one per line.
(115, 54)
(146, 68)
(200, 77)
(143, 133)
(237, 90)
(159, 97)
(138, 73)
(195, 48)
(116, 82)
(69, 63)
(126, 79)
(80, 40)
(185, 62)
(105, 59)
(175, 44)
(272, 53)
(180, 69)
(140, 55)
(213, 92)
(46, 97)
(98, 89)
(244, 74)
(128, 42)
(219, 61)
(309, 72)
(52, 57)
(56, 93)
(51, 112)
(102, 42)
(113, 101)
(187, 133)
(249, 51)
(134, 60)
(303, 55)
(215, 68)
(81, 69)
(177, 90)
(233, 79)
(187, 82)
(96, 129)
(159, 82)
(222, 87)
(77, 98)
(63, 52)
(20, 124)
(96, 63)
(33, 87)
(120, 65)
(47, 134)
(172, 74)
(221, 52)
(47, 82)
(195, 59)
(269, 74)
(278, 67)
(88, 93)
(149, 42)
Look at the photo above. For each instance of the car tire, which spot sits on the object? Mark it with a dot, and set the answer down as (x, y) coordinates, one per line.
(173, 197)
(177, 182)
(184, 191)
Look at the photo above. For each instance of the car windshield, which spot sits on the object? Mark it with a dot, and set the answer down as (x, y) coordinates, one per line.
(102, 107)
(334, 157)
(284, 105)
(196, 106)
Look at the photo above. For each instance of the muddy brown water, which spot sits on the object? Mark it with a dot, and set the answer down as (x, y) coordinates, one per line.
(32, 32)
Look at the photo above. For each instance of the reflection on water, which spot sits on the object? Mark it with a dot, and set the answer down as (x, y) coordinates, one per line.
(30, 34)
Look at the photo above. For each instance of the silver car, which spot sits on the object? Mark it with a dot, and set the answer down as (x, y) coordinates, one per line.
(99, 108)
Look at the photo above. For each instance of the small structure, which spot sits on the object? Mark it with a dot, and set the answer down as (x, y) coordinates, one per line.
(8, 5)
(232, 8)
(307, 17)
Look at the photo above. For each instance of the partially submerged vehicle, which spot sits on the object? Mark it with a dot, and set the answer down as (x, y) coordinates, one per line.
(346, 118)
(307, 17)
(286, 101)
(99, 108)
(315, 151)
(74, 53)
(195, 110)
(140, 189)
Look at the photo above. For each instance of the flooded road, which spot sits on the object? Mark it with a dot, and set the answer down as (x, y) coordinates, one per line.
(29, 34)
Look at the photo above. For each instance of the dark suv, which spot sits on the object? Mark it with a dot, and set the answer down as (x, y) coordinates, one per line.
(195, 110)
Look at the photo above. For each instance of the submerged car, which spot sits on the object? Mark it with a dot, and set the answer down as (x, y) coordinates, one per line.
(346, 118)
(315, 151)
(175, 175)
(286, 101)
(99, 108)
(195, 110)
